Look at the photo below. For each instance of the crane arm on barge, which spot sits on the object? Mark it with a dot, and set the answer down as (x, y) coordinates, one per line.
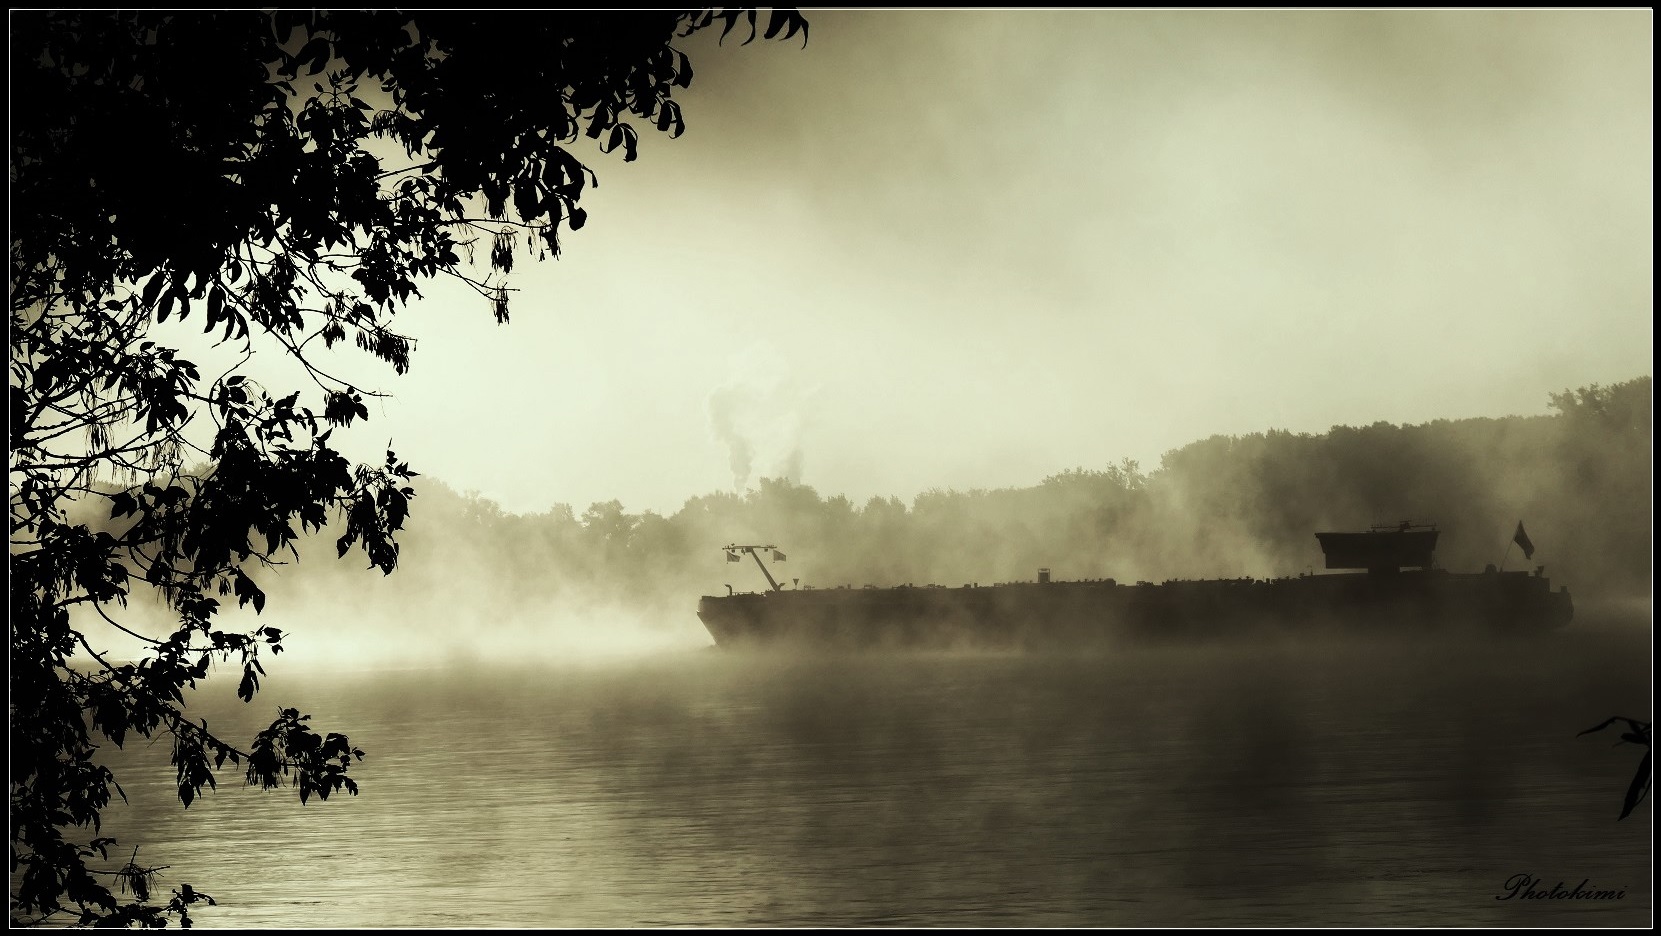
(734, 550)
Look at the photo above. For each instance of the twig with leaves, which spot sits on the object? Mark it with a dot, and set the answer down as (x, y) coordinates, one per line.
(1637, 733)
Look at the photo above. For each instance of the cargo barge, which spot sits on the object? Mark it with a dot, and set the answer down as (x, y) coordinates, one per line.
(1385, 580)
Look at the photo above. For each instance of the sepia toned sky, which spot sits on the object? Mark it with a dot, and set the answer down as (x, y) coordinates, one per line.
(971, 249)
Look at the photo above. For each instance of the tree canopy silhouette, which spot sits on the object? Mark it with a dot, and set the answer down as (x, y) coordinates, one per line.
(289, 179)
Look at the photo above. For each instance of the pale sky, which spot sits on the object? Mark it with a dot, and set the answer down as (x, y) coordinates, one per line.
(972, 249)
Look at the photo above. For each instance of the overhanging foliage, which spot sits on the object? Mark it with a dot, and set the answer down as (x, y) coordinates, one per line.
(231, 169)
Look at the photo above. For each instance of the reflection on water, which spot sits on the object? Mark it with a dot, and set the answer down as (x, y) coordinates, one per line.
(1361, 785)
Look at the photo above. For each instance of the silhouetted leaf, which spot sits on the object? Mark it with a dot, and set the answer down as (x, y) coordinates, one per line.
(216, 306)
(152, 289)
(249, 685)
(315, 53)
(731, 16)
(776, 21)
(1635, 725)
(1639, 786)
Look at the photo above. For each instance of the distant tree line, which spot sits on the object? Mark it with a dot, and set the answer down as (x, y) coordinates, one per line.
(1224, 506)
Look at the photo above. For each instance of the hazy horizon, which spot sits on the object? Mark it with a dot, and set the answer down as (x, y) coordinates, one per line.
(1147, 467)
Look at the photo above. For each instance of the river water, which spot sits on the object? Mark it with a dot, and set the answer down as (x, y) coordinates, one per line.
(1369, 783)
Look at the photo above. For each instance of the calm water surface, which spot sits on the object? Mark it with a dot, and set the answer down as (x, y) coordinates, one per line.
(1359, 784)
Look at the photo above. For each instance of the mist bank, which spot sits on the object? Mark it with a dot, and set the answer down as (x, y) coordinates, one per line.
(474, 580)
(1224, 506)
